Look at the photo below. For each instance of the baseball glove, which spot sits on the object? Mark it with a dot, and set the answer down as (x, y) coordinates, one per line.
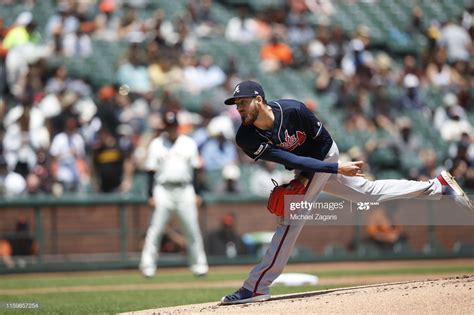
(276, 201)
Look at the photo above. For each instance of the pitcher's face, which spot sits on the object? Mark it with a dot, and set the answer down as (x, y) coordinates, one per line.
(248, 110)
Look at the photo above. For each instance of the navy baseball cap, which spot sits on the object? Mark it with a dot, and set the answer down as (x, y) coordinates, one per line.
(245, 89)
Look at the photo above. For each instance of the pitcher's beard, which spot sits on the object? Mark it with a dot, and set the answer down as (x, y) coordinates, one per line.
(250, 118)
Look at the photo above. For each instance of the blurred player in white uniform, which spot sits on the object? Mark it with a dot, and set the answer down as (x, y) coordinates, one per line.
(172, 159)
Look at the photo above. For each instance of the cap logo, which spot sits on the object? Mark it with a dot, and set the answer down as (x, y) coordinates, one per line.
(255, 92)
(237, 89)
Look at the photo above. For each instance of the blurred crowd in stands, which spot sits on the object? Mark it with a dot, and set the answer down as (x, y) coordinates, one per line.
(60, 133)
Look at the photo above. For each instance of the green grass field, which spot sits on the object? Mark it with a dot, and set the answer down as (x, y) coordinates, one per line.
(112, 292)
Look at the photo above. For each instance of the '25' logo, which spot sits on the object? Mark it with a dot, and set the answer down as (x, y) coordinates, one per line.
(363, 206)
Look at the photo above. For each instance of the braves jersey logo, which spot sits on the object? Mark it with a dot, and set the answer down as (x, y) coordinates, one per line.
(293, 141)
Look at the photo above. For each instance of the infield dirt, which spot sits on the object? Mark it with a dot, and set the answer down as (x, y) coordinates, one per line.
(453, 295)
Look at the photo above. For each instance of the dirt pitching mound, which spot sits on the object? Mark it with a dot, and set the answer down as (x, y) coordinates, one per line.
(441, 296)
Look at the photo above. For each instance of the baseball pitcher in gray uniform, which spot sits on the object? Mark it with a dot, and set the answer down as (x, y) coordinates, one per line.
(286, 132)
(171, 161)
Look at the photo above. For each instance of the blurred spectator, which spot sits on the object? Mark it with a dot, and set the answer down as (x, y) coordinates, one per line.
(406, 140)
(357, 121)
(201, 133)
(68, 100)
(163, 71)
(298, 7)
(261, 178)
(416, 23)
(275, 55)
(39, 180)
(410, 66)
(11, 183)
(463, 173)
(133, 114)
(429, 168)
(325, 80)
(59, 81)
(186, 37)
(463, 150)
(107, 23)
(241, 28)
(317, 46)
(438, 72)
(230, 180)
(108, 111)
(454, 126)
(23, 32)
(133, 73)
(189, 63)
(226, 241)
(17, 64)
(320, 8)
(155, 24)
(21, 244)
(338, 43)
(158, 70)
(411, 99)
(155, 128)
(172, 241)
(441, 113)
(406, 145)
(219, 150)
(358, 56)
(355, 153)
(459, 75)
(382, 106)
(63, 21)
(130, 27)
(382, 232)
(68, 152)
(457, 41)
(201, 17)
(25, 133)
(79, 43)
(211, 75)
(468, 18)
(3, 30)
(383, 72)
(432, 35)
(461, 160)
(300, 34)
(346, 95)
(202, 75)
(112, 162)
(263, 25)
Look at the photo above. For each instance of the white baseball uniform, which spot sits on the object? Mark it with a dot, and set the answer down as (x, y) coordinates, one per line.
(173, 191)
